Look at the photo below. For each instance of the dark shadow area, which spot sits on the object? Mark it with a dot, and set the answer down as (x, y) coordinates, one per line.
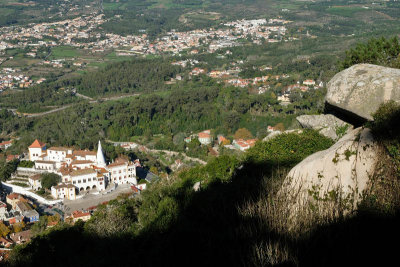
(344, 115)
(210, 231)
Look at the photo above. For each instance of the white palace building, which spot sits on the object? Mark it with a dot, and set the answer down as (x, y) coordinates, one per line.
(80, 169)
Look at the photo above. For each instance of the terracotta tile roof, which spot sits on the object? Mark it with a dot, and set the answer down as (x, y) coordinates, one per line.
(76, 162)
(21, 236)
(82, 172)
(11, 157)
(116, 164)
(37, 144)
(5, 143)
(58, 148)
(13, 196)
(78, 214)
(62, 185)
(84, 153)
(204, 135)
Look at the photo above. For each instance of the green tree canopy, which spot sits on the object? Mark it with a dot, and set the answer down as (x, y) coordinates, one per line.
(50, 179)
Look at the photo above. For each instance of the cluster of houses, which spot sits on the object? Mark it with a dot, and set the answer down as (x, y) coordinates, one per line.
(10, 79)
(21, 210)
(303, 87)
(205, 138)
(80, 170)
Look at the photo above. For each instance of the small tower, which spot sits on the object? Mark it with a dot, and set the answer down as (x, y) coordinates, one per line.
(101, 161)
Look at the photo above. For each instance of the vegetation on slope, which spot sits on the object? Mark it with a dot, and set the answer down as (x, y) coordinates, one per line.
(170, 223)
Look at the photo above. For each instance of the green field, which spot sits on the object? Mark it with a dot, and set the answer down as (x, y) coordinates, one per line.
(111, 6)
(5, 11)
(345, 11)
(64, 52)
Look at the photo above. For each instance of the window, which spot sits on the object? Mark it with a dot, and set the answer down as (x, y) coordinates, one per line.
(74, 182)
(79, 181)
(84, 180)
(89, 179)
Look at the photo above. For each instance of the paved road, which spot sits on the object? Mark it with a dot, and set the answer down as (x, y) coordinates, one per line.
(168, 152)
(32, 115)
(174, 153)
(91, 200)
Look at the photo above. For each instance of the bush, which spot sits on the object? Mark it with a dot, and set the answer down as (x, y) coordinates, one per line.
(289, 148)
(386, 122)
(26, 164)
(20, 184)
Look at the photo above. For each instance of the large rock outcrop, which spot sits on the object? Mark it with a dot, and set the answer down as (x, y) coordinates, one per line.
(342, 171)
(361, 89)
(327, 125)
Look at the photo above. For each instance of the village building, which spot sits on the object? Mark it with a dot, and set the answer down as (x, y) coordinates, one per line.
(243, 145)
(122, 172)
(80, 169)
(205, 137)
(35, 181)
(13, 198)
(79, 215)
(6, 144)
(3, 210)
(21, 237)
(36, 150)
(222, 140)
(63, 191)
(309, 82)
(31, 216)
(5, 242)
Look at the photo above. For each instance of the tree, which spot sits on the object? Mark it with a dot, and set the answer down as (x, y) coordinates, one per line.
(280, 127)
(243, 133)
(4, 230)
(18, 227)
(40, 226)
(50, 179)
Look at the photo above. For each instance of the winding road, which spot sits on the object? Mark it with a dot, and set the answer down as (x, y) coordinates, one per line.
(91, 101)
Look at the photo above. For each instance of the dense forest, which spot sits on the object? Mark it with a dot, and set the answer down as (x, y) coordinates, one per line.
(190, 107)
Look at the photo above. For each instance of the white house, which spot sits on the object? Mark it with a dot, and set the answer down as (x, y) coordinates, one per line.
(82, 169)
(309, 82)
(45, 165)
(3, 211)
(205, 137)
(86, 179)
(122, 172)
(36, 150)
(35, 182)
(63, 191)
(5, 144)
(58, 154)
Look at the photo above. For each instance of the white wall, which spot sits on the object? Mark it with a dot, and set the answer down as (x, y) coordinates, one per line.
(24, 191)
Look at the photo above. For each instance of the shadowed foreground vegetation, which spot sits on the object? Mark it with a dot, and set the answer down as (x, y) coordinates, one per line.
(230, 221)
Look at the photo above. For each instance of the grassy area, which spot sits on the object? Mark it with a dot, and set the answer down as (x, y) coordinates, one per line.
(64, 52)
(111, 6)
(5, 11)
(345, 11)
